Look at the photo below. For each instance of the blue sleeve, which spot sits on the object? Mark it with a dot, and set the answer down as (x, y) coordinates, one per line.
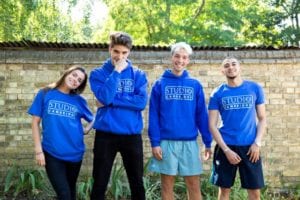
(213, 102)
(138, 100)
(104, 87)
(86, 112)
(260, 96)
(36, 107)
(202, 119)
(154, 107)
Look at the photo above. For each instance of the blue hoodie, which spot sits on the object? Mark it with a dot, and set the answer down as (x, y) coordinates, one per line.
(124, 96)
(177, 110)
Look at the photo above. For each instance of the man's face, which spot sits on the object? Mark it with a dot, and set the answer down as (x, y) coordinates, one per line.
(231, 68)
(118, 52)
(180, 59)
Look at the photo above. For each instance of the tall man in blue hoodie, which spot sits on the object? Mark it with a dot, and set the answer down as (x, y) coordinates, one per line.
(177, 112)
(121, 91)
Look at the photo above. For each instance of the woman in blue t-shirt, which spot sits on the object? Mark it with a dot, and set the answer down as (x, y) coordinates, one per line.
(60, 108)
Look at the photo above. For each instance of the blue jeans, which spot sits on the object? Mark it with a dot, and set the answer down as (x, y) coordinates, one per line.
(106, 146)
(63, 176)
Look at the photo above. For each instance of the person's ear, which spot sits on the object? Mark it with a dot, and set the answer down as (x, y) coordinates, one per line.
(223, 71)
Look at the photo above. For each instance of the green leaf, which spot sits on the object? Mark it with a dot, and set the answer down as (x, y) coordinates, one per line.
(9, 179)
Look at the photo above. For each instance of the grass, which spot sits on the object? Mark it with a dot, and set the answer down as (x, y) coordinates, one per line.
(22, 183)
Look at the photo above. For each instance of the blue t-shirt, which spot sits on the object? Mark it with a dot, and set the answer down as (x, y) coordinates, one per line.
(237, 107)
(177, 110)
(62, 130)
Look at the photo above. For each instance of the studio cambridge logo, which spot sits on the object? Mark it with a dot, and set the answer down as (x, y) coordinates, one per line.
(62, 109)
(179, 93)
(237, 102)
(126, 85)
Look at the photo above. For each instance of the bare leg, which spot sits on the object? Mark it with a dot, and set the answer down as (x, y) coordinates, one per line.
(193, 186)
(224, 193)
(254, 194)
(167, 183)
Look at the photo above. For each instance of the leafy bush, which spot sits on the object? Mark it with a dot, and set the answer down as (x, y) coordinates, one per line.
(29, 183)
(208, 190)
(118, 187)
(84, 188)
(23, 183)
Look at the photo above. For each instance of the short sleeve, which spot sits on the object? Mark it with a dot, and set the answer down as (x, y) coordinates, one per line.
(36, 107)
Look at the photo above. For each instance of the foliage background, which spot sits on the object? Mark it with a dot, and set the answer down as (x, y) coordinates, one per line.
(154, 22)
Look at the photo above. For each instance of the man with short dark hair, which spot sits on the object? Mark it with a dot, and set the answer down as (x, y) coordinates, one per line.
(121, 92)
(241, 105)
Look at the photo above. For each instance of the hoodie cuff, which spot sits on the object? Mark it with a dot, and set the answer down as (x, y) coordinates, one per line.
(155, 143)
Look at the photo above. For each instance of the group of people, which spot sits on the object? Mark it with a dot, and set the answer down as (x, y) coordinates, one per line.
(177, 114)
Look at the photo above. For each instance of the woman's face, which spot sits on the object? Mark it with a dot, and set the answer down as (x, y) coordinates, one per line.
(74, 79)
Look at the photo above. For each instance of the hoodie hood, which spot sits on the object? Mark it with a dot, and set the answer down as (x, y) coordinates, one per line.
(168, 74)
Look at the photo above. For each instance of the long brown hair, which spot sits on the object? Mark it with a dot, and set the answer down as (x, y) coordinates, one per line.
(60, 81)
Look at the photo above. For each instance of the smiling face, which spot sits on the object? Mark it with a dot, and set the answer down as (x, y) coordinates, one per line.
(180, 59)
(74, 79)
(231, 68)
(118, 52)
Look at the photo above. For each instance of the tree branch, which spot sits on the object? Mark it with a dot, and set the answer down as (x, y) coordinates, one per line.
(199, 9)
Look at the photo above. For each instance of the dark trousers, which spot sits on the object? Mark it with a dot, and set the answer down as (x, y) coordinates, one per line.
(106, 146)
(63, 176)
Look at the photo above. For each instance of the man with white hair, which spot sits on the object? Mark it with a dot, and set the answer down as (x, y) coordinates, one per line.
(177, 113)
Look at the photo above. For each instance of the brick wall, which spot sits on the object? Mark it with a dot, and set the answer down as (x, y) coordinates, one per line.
(24, 71)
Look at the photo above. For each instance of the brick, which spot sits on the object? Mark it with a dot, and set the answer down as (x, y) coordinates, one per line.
(277, 101)
(15, 67)
(290, 90)
(26, 96)
(292, 171)
(13, 84)
(275, 96)
(297, 101)
(13, 90)
(290, 84)
(12, 96)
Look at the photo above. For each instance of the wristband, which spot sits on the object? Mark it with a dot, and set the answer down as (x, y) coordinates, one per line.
(38, 153)
(226, 149)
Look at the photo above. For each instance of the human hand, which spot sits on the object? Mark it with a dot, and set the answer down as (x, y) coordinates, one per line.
(86, 130)
(157, 152)
(253, 153)
(232, 157)
(40, 158)
(120, 65)
(99, 104)
(207, 153)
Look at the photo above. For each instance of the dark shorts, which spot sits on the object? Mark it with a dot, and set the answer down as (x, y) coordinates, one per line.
(223, 173)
